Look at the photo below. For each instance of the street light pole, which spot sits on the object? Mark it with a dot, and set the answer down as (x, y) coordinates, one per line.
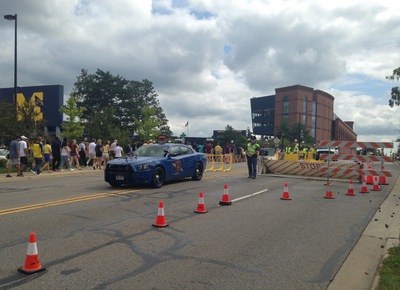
(14, 17)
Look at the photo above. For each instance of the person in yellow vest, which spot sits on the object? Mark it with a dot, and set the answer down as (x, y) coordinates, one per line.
(305, 151)
(218, 153)
(288, 150)
(296, 149)
(312, 150)
(252, 151)
(37, 150)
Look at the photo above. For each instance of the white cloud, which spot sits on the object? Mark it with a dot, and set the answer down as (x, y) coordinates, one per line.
(207, 58)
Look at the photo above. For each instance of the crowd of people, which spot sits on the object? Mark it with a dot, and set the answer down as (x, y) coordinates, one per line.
(57, 155)
(238, 152)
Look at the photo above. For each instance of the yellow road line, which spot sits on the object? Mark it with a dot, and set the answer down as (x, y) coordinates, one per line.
(94, 196)
(63, 201)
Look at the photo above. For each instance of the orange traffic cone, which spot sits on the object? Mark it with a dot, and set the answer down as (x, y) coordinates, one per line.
(350, 190)
(32, 264)
(382, 180)
(364, 188)
(329, 192)
(376, 185)
(286, 195)
(201, 207)
(160, 221)
(225, 196)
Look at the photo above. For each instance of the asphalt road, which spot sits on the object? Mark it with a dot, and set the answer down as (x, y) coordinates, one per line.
(92, 236)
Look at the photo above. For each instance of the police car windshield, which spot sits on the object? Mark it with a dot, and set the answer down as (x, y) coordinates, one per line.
(151, 151)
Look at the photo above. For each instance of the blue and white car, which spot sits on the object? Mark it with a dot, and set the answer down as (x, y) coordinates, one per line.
(156, 164)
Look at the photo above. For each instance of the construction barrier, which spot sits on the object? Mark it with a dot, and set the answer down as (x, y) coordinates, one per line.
(305, 168)
(219, 162)
(371, 175)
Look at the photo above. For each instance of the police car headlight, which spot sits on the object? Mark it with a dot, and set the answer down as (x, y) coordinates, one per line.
(143, 167)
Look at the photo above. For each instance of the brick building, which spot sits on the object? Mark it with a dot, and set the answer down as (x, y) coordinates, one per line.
(300, 104)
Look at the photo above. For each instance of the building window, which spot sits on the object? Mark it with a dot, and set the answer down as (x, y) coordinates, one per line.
(313, 118)
(304, 109)
(285, 108)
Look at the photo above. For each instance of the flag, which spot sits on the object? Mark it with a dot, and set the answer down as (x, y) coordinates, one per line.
(187, 124)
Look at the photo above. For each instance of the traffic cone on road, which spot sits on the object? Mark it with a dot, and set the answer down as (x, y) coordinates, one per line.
(376, 185)
(285, 194)
(382, 180)
(350, 190)
(32, 264)
(328, 194)
(364, 188)
(160, 221)
(370, 179)
(225, 196)
(201, 207)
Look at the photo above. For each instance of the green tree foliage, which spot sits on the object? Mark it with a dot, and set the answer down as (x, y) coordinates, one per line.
(113, 104)
(229, 135)
(395, 93)
(7, 123)
(72, 128)
(296, 132)
(148, 124)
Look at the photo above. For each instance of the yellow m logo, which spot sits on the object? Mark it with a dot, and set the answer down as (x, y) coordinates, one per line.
(36, 101)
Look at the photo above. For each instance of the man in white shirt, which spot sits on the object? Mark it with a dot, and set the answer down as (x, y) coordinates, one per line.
(112, 148)
(92, 153)
(118, 151)
(23, 154)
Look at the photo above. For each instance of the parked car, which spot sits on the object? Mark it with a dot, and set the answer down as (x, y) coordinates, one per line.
(268, 153)
(156, 164)
(3, 153)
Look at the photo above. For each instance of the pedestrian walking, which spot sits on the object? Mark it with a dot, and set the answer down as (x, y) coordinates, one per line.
(65, 155)
(37, 150)
(56, 152)
(13, 156)
(47, 156)
(92, 153)
(82, 152)
(99, 154)
(74, 154)
(23, 155)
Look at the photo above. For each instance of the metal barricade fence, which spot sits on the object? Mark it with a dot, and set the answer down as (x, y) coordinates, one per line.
(219, 162)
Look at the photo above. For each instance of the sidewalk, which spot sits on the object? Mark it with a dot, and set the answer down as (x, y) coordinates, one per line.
(360, 269)
(29, 175)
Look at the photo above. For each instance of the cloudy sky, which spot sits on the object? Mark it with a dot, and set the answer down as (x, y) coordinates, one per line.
(207, 58)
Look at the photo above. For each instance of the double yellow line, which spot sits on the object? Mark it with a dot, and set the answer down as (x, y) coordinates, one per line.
(94, 196)
(63, 201)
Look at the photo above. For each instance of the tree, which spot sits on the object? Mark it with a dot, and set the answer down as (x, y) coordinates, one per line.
(7, 123)
(296, 132)
(395, 93)
(147, 126)
(229, 135)
(73, 127)
(103, 93)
